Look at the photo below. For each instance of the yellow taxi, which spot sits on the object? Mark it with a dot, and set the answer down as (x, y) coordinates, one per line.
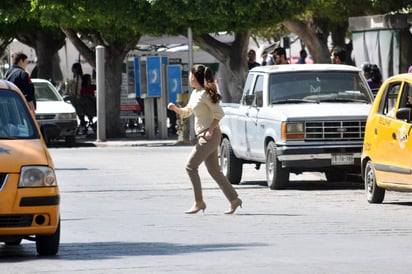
(29, 195)
(387, 147)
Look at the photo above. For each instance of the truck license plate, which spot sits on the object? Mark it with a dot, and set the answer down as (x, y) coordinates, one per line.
(342, 159)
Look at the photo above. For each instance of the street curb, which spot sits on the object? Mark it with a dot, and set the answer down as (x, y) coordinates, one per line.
(135, 143)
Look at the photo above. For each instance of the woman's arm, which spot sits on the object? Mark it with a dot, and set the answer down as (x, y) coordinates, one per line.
(211, 129)
(184, 112)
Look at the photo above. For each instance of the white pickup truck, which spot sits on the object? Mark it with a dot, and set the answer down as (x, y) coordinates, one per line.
(296, 118)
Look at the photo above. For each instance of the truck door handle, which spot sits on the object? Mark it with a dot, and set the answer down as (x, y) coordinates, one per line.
(394, 135)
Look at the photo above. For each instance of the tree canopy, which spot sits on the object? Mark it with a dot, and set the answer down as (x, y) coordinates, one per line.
(118, 25)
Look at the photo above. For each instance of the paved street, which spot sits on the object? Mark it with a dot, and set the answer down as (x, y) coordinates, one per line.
(122, 212)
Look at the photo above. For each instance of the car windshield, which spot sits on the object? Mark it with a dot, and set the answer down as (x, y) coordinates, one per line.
(15, 119)
(317, 86)
(45, 92)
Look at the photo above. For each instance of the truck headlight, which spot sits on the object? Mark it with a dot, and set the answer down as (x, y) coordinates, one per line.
(37, 176)
(293, 131)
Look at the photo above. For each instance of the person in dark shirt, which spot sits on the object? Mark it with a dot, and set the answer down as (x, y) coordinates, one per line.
(17, 74)
(252, 59)
(87, 102)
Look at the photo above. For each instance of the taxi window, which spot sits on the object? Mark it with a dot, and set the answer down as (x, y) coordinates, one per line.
(406, 97)
(388, 102)
(15, 119)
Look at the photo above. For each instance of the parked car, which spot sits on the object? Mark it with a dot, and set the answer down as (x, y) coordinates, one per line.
(52, 109)
(29, 195)
(387, 146)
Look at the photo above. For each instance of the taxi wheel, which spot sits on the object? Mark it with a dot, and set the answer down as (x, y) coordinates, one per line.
(48, 244)
(374, 193)
(16, 242)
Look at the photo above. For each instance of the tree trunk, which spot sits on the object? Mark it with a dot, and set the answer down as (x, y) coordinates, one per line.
(338, 35)
(233, 58)
(114, 58)
(87, 53)
(44, 59)
(314, 34)
(46, 43)
(4, 43)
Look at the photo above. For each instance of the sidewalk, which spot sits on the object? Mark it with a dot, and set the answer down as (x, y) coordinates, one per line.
(130, 141)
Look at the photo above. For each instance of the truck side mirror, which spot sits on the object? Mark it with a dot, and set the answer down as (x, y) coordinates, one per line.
(248, 99)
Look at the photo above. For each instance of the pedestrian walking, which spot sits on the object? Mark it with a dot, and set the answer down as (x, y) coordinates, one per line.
(204, 104)
(19, 76)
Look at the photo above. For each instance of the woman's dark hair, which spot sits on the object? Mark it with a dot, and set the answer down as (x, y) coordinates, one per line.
(376, 75)
(373, 71)
(204, 77)
(78, 68)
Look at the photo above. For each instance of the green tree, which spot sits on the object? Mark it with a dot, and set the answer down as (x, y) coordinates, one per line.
(324, 17)
(119, 25)
(18, 20)
(235, 17)
(116, 25)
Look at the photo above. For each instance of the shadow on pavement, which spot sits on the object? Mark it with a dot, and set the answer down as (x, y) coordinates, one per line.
(398, 203)
(109, 250)
(311, 185)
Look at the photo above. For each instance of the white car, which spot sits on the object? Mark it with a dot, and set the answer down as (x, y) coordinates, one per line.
(52, 109)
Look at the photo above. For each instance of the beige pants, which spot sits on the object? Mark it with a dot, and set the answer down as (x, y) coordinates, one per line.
(206, 151)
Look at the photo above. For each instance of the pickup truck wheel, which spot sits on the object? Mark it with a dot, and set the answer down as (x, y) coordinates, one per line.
(276, 176)
(232, 167)
(48, 244)
(374, 193)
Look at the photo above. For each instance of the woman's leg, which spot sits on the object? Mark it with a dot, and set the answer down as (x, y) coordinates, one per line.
(212, 165)
(196, 157)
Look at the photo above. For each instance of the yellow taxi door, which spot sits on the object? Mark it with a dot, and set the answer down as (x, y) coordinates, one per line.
(393, 140)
